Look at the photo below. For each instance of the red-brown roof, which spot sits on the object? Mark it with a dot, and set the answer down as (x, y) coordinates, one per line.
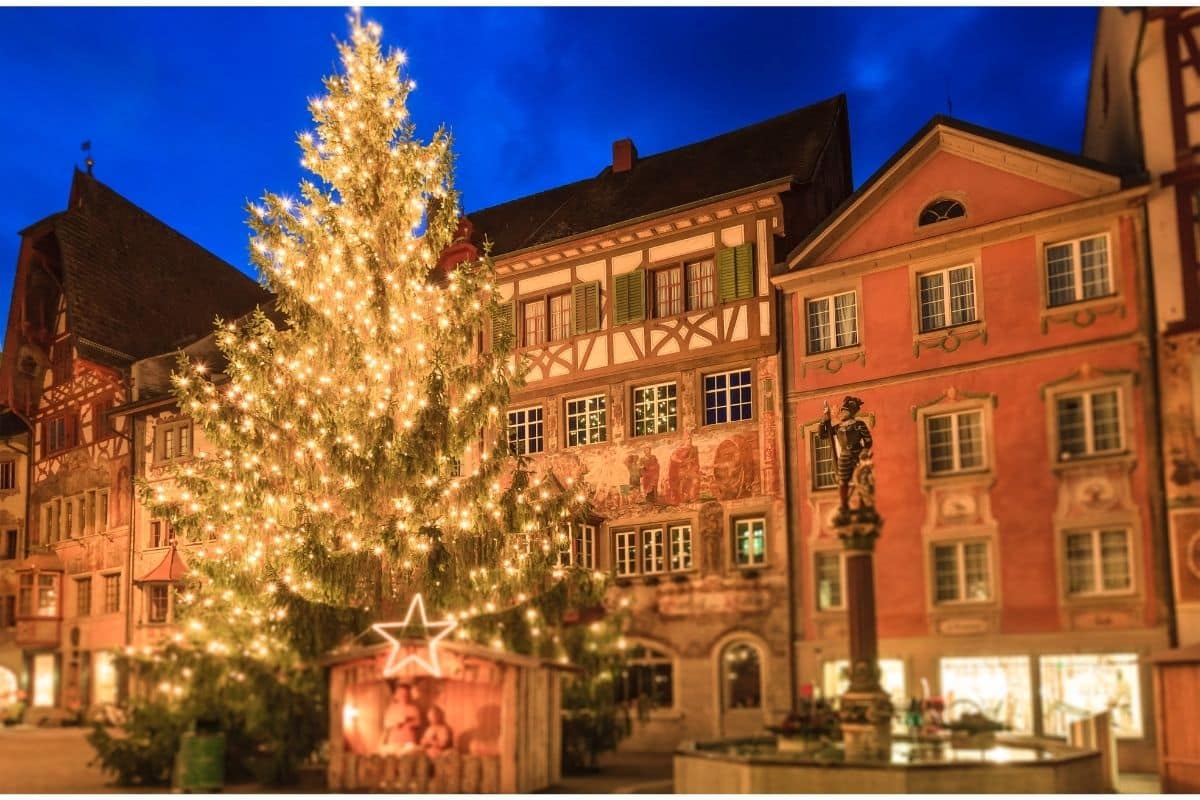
(171, 569)
(786, 147)
(135, 286)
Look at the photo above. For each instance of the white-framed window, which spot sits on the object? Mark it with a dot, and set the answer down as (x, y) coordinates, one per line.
(828, 580)
(681, 547)
(1078, 685)
(162, 534)
(750, 541)
(648, 677)
(587, 420)
(112, 593)
(961, 572)
(1078, 270)
(1089, 423)
(654, 546)
(526, 433)
(69, 517)
(584, 545)
(1099, 561)
(668, 291)
(173, 440)
(832, 322)
(824, 465)
(158, 602)
(946, 297)
(83, 597)
(728, 397)
(701, 284)
(8, 476)
(654, 409)
(560, 316)
(954, 442)
(626, 551)
(57, 434)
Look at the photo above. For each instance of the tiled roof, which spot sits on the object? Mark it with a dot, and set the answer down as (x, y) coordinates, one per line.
(786, 147)
(136, 287)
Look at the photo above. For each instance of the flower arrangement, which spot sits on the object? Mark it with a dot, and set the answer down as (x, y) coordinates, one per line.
(809, 726)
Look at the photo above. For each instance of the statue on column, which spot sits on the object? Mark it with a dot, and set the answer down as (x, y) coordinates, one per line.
(851, 441)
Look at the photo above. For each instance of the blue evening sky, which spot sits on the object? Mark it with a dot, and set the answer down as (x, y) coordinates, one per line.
(193, 110)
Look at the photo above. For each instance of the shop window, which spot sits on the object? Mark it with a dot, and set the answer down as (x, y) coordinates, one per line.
(741, 672)
(526, 434)
(83, 597)
(654, 409)
(824, 465)
(750, 542)
(157, 602)
(728, 397)
(954, 442)
(998, 686)
(961, 572)
(1078, 270)
(648, 679)
(940, 211)
(1077, 686)
(832, 322)
(104, 678)
(828, 567)
(1089, 423)
(587, 420)
(946, 297)
(44, 679)
(1098, 562)
(112, 593)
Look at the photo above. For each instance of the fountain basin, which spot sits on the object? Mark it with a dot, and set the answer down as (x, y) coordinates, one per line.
(1011, 765)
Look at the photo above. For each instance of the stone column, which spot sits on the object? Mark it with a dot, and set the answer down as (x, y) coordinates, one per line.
(866, 709)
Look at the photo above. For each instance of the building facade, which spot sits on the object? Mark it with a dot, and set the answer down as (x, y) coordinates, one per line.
(987, 299)
(1143, 112)
(98, 286)
(642, 300)
(14, 485)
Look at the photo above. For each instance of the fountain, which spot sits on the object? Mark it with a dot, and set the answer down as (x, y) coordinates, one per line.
(974, 759)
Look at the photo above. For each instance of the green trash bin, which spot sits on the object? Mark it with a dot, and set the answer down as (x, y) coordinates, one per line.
(200, 762)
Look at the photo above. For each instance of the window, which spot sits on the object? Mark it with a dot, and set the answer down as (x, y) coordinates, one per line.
(173, 440)
(824, 465)
(69, 517)
(8, 545)
(728, 397)
(832, 322)
(587, 420)
(1089, 423)
(742, 675)
(940, 211)
(1078, 270)
(97, 510)
(8, 610)
(836, 679)
(25, 593)
(1079, 685)
(653, 551)
(525, 431)
(47, 595)
(162, 534)
(750, 542)
(668, 291)
(961, 572)
(112, 593)
(83, 597)
(560, 316)
(1001, 687)
(827, 580)
(654, 409)
(648, 677)
(681, 547)
(57, 432)
(947, 297)
(954, 442)
(533, 319)
(701, 291)
(8, 476)
(626, 552)
(60, 358)
(157, 602)
(100, 428)
(1098, 562)
(580, 549)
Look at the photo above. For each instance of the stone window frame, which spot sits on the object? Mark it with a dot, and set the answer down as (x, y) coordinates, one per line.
(1070, 233)
(750, 517)
(667, 654)
(959, 543)
(111, 579)
(984, 402)
(149, 603)
(83, 609)
(956, 445)
(1133, 562)
(166, 428)
(638, 530)
(8, 469)
(1124, 381)
(717, 671)
(823, 550)
(831, 296)
(634, 388)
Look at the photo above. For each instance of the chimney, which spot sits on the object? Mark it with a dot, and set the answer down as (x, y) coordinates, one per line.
(624, 155)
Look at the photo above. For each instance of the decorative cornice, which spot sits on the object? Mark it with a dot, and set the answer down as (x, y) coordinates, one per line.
(833, 363)
(950, 340)
(1083, 317)
(953, 395)
(1086, 373)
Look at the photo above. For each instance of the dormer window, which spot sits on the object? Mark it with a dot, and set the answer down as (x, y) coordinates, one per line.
(940, 211)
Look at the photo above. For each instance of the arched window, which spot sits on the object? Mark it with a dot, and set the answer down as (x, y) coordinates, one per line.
(648, 677)
(940, 211)
(742, 676)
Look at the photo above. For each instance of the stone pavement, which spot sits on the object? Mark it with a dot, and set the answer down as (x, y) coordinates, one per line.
(622, 773)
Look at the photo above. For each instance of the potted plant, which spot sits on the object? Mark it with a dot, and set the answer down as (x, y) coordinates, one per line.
(807, 729)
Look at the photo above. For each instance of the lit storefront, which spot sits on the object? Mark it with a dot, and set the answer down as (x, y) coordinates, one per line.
(104, 678)
(1076, 686)
(999, 686)
(45, 679)
(836, 679)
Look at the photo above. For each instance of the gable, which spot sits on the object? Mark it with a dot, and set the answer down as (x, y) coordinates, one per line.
(989, 193)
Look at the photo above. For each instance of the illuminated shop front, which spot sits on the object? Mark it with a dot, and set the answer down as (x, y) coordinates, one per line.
(999, 686)
(104, 678)
(836, 679)
(1076, 686)
(45, 679)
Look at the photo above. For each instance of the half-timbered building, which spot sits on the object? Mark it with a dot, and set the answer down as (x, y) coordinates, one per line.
(641, 298)
(14, 485)
(987, 298)
(98, 286)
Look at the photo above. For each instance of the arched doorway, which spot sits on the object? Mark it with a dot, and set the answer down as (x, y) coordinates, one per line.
(741, 683)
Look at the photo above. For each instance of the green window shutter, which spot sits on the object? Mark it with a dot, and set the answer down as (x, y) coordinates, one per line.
(585, 307)
(726, 275)
(743, 256)
(629, 297)
(503, 321)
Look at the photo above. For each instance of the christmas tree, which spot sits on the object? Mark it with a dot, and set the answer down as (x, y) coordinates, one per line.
(356, 452)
